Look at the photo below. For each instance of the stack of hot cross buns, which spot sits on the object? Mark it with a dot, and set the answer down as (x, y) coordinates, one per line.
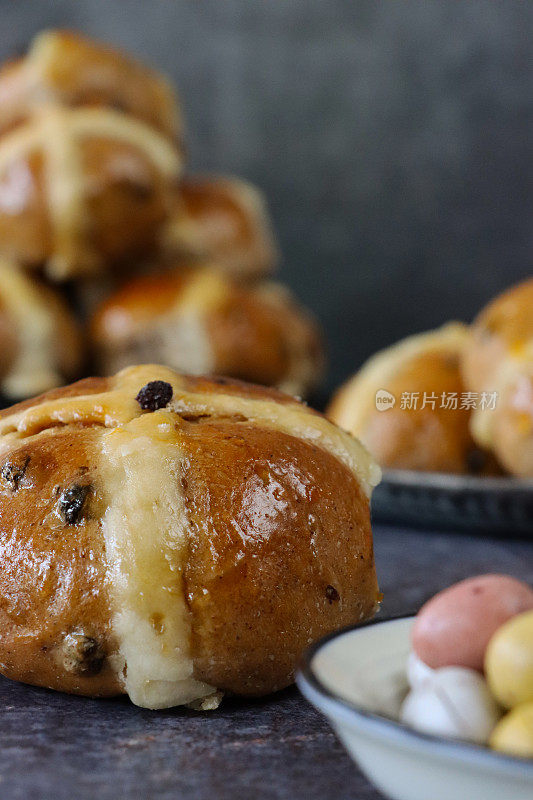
(109, 254)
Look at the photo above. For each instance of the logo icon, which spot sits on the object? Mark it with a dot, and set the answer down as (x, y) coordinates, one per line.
(384, 400)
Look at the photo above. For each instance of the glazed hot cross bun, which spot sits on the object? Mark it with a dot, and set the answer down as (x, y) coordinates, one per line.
(430, 437)
(173, 538)
(200, 321)
(66, 69)
(499, 359)
(83, 188)
(40, 343)
(224, 219)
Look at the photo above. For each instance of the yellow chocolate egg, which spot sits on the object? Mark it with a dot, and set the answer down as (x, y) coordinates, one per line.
(514, 733)
(509, 661)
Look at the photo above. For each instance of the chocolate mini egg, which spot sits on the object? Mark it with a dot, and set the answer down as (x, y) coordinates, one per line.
(417, 671)
(455, 627)
(509, 661)
(453, 702)
(514, 733)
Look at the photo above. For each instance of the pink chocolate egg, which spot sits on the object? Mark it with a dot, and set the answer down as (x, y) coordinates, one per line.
(455, 626)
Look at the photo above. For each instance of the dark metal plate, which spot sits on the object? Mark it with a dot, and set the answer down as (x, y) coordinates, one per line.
(493, 505)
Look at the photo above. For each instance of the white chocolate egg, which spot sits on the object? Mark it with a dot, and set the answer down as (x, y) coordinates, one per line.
(417, 672)
(454, 702)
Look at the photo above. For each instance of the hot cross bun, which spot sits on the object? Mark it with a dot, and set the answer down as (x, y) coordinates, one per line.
(226, 220)
(65, 69)
(429, 432)
(499, 361)
(172, 537)
(82, 189)
(199, 320)
(40, 342)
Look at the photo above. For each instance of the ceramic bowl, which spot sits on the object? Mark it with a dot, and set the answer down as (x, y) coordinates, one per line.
(357, 678)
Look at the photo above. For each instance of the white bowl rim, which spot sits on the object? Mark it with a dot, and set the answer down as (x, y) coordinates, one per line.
(337, 707)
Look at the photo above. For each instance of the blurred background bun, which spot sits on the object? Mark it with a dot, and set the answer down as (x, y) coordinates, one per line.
(40, 341)
(499, 358)
(422, 429)
(226, 219)
(66, 69)
(198, 320)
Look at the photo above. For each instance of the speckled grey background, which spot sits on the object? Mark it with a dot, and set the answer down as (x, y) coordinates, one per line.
(393, 139)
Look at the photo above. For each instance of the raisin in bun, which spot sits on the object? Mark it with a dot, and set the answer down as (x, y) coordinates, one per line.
(198, 320)
(499, 359)
(224, 219)
(426, 438)
(82, 189)
(65, 69)
(174, 537)
(38, 334)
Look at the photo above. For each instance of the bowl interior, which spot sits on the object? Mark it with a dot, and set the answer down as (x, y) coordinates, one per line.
(367, 666)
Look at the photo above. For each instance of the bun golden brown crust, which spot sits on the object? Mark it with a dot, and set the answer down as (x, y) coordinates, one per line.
(198, 320)
(426, 438)
(303, 570)
(66, 69)
(223, 219)
(173, 552)
(54, 611)
(39, 338)
(499, 359)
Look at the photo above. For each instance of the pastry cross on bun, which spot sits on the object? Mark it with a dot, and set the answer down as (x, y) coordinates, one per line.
(173, 537)
(40, 343)
(199, 320)
(428, 437)
(66, 69)
(80, 188)
(224, 219)
(499, 359)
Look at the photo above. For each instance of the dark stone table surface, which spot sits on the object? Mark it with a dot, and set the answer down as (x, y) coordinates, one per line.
(70, 748)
